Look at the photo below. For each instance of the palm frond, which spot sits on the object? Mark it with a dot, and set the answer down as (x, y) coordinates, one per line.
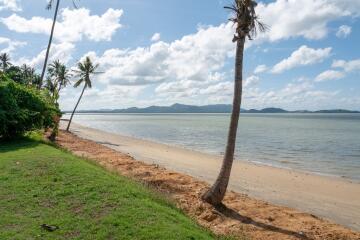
(245, 18)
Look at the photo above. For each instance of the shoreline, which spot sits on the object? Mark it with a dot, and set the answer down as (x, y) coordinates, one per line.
(331, 197)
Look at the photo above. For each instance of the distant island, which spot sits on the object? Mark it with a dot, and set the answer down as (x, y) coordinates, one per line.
(217, 108)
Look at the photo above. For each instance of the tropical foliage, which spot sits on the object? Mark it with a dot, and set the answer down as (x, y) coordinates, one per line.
(24, 109)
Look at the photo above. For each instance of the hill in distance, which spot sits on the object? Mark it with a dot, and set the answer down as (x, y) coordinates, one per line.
(217, 108)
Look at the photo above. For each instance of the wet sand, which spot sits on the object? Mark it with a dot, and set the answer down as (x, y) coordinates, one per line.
(333, 198)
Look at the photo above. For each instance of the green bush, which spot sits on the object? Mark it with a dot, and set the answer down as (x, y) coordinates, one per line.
(24, 108)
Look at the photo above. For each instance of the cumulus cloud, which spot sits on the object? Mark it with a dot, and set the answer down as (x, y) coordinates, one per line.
(251, 81)
(116, 96)
(343, 31)
(302, 57)
(156, 37)
(12, 5)
(195, 57)
(62, 51)
(260, 69)
(73, 26)
(10, 45)
(294, 96)
(303, 18)
(348, 66)
(329, 75)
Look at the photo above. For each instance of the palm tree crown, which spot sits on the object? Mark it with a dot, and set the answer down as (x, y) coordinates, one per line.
(60, 74)
(4, 61)
(51, 3)
(84, 71)
(245, 18)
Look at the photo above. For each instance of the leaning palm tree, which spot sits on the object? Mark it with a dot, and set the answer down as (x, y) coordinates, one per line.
(48, 7)
(5, 61)
(246, 23)
(84, 71)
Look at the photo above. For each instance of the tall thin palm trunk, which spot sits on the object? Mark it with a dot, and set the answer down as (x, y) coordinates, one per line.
(50, 41)
(72, 115)
(216, 193)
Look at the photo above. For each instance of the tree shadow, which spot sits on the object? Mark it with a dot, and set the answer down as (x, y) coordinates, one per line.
(7, 145)
(230, 213)
(108, 143)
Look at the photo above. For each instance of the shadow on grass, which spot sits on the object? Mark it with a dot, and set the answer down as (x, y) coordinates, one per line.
(11, 145)
(230, 213)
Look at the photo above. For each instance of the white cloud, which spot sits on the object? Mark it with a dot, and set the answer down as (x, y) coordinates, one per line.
(156, 37)
(303, 18)
(302, 57)
(12, 5)
(74, 25)
(343, 31)
(62, 51)
(348, 66)
(293, 96)
(97, 97)
(260, 69)
(195, 57)
(11, 45)
(251, 81)
(329, 75)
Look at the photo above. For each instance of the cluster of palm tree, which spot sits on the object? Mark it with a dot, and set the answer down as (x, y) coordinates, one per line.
(58, 76)
(246, 25)
(24, 74)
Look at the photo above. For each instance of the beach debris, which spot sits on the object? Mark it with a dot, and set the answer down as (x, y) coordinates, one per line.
(49, 228)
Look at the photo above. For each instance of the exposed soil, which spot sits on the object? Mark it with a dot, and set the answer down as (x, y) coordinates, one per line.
(240, 215)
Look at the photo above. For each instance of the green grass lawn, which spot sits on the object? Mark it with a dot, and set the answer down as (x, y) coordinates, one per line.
(40, 184)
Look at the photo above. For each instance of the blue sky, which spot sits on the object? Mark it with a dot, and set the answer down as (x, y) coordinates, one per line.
(162, 52)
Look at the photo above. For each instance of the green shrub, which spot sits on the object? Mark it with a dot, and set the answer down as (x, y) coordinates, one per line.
(24, 108)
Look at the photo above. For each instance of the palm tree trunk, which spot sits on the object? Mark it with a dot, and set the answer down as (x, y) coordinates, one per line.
(216, 193)
(72, 115)
(60, 86)
(50, 41)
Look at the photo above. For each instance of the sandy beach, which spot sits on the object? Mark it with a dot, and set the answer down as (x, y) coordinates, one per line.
(332, 198)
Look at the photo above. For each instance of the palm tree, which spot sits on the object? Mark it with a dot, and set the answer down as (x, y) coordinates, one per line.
(49, 6)
(84, 71)
(27, 73)
(5, 61)
(60, 75)
(50, 85)
(246, 23)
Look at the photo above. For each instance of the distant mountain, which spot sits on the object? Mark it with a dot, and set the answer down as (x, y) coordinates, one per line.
(218, 108)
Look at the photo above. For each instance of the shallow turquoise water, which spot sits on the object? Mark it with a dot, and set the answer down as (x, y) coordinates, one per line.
(321, 143)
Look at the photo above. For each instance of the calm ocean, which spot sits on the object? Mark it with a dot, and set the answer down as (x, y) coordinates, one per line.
(321, 143)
